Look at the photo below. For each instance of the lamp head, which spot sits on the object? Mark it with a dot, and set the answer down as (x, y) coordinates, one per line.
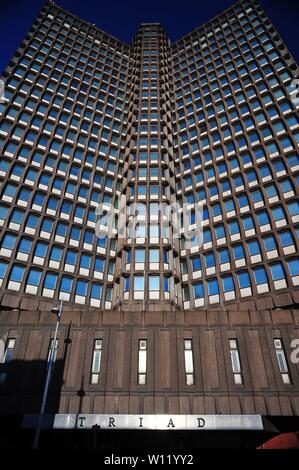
(55, 310)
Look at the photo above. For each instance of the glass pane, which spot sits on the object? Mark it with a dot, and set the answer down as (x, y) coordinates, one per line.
(142, 362)
(189, 362)
(141, 379)
(154, 283)
(238, 379)
(138, 283)
(235, 361)
(96, 361)
(282, 361)
(189, 379)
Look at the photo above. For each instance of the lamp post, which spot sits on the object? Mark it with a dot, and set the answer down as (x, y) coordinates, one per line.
(57, 311)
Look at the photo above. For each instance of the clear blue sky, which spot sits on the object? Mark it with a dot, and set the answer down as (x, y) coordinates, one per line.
(121, 17)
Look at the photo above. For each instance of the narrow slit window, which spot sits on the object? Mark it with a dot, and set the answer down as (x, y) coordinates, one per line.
(142, 356)
(96, 361)
(189, 368)
(235, 360)
(282, 361)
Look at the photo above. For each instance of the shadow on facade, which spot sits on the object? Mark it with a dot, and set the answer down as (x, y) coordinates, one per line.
(21, 389)
(22, 383)
(21, 393)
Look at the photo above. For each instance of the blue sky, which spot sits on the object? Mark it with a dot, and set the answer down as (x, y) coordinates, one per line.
(121, 18)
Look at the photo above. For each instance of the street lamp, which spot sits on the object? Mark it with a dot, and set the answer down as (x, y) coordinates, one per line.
(57, 311)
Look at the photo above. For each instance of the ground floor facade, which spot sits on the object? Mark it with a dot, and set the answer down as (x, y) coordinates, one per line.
(202, 364)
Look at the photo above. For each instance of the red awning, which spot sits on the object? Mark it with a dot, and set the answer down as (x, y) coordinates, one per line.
(288, 440)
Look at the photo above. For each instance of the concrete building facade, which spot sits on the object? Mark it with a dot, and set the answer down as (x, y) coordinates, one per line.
(164, 313)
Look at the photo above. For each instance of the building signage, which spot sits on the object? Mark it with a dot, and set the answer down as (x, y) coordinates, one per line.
(153, 422)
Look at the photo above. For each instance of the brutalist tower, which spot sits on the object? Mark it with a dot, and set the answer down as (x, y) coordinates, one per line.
(108, 151)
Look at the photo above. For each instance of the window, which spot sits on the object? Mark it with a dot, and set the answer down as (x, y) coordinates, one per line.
(139, 255)
(286, 238)
(196, 263)
(71, 257)
(213, 287)
(50, 281)
(228, 284)
(166, 284)
(66, 284)
(154, 255)
(47, 225)
(234, 227)
(25, 246)
(224, 256)
(111, 266)
(85, 261)
(219, 230)
(16, 217)
(153, 231)
(263, 218)
(96, 291)
(96, 361)
(270, 243)
(38, 200)
(235, 361)
(108, 293)
(56, 254)
(286, 185)
(293, 267)
(282, 362)
(138, 283)
(188, 356)
(6, 358)
(293, 208)
(244, 279)
(8, 241)
(243, 201)
(293, 160)
(186, 293)
(17, 274)
(34, 277)
(278, 213)
(142, 353)
(3, 269)
(31, 175)
(154, 283)
(248, 223)
(99, 264)
(251, 176)
(277, 271)
(271, 191)
(198, 290)
(210, 260)
(140, 230)
(10, 190)
(238, 251)
(75, 234)
(253, 247)
(141, 190)
(3, 212)
(81, 288)
(52, 203)
(257, 196)
(260, 276)
(216, 210)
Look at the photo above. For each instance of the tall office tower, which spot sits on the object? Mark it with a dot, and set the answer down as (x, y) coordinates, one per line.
(109, 154)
